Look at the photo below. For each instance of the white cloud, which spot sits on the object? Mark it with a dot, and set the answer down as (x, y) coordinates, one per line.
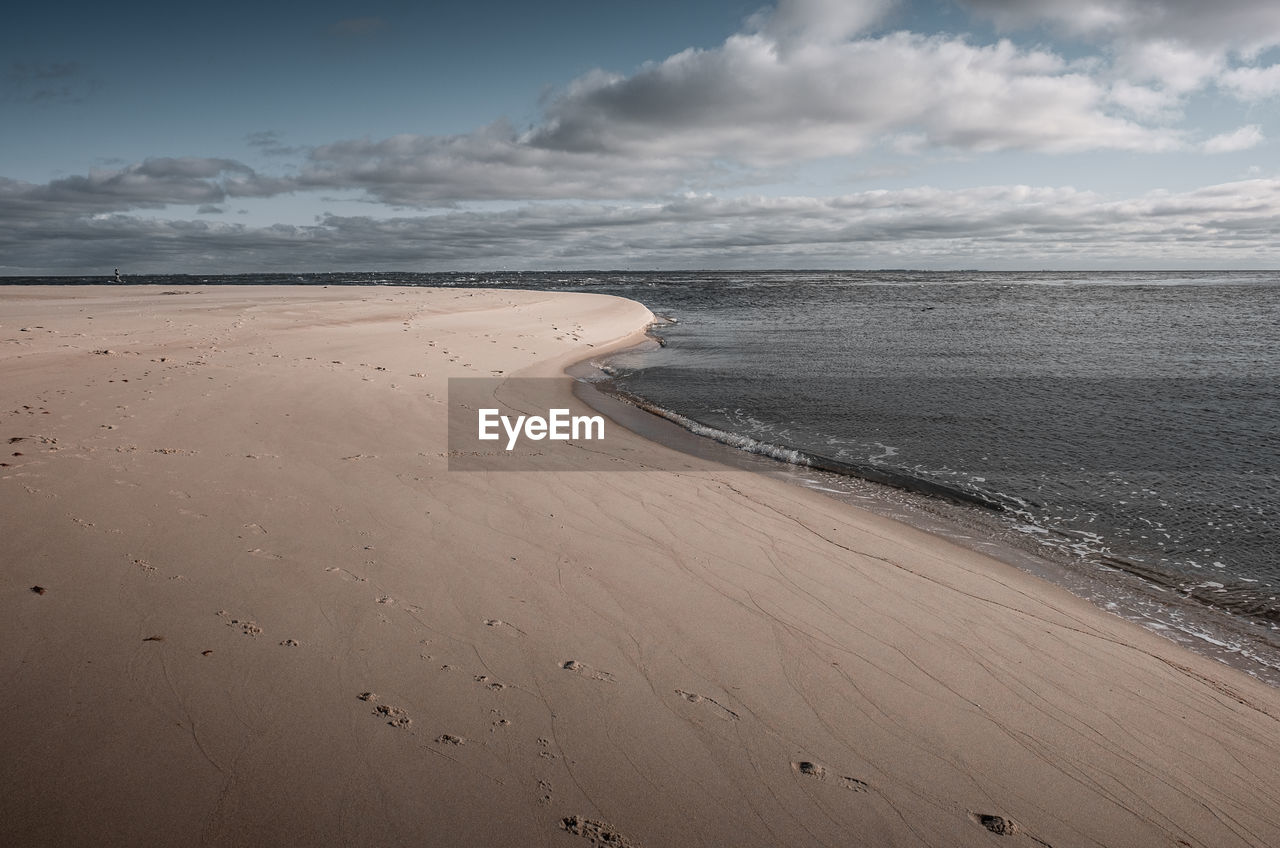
(1215, 25)
(1252, 83)
(799, 84)
(1177, 67)
(1243, 138)
(1145, 102)
(1180, 46)
(748, 101)
(707, 118)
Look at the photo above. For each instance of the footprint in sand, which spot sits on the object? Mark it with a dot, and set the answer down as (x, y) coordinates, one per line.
(587, 671)
(998, 825)
(716, 707)
(810, 769)
(820, 772)
(248, 628)
(1001, 826)
(596, 832)
(395, 716)
(499, 623)
(346, 575)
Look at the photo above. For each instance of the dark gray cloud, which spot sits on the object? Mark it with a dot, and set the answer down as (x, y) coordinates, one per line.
(46, 82)
(795, 24)
(152, 183)
(490, 164)
(1005, 226)
(270, 143)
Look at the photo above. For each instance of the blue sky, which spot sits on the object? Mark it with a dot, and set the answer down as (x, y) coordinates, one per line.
(626, 134)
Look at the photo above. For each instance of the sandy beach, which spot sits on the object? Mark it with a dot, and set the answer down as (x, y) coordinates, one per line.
(244, 601)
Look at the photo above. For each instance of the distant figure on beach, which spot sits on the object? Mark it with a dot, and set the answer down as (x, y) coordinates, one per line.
(118, 280)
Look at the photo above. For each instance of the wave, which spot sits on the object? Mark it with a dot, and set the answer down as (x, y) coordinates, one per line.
(795, 456)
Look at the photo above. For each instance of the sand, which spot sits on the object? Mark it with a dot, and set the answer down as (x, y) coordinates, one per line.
(268, 614)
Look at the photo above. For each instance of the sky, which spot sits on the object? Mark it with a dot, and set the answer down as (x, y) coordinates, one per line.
(639, 134)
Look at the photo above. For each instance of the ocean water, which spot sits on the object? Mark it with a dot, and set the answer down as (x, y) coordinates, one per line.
(1125, 426)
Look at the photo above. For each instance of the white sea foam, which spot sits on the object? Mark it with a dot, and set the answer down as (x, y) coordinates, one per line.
(734, 440)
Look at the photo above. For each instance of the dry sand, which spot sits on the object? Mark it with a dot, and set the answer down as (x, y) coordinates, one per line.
(271, 616)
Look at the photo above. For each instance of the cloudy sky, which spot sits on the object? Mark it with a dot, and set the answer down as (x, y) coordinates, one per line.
(571, 134)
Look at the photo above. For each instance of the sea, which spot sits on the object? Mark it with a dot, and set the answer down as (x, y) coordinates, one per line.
(1117, 433)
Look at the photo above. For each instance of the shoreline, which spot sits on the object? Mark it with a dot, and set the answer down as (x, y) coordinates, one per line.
(1112, 586)
(1138, 594)
(273, 616)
